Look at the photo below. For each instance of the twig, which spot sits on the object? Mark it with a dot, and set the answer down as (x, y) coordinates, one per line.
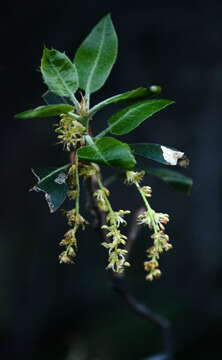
(146, 313)
(119, 283)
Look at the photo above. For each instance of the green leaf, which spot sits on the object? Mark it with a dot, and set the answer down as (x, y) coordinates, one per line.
(59, 73)
(96, 55)
(162, 154)
(173, 178)
(129, 118)
(128, 97)
(52, 182)
(108, 151)
(52, 99)
(45, 111)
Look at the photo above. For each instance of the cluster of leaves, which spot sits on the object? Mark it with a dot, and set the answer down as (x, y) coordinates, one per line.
(67, 80)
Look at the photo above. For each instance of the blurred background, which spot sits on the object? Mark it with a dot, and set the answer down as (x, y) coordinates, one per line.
(71, 312)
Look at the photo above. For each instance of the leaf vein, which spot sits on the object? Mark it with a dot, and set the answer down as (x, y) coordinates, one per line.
(96, 60)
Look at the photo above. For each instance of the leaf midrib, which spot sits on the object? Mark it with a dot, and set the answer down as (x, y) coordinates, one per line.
(96, 60)
(60, 77)
(93, 144)
(122, 118)
(134, 109)
(40, 180)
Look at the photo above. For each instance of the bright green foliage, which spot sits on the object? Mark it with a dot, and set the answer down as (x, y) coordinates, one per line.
(131, 117)
(108, 151)
(45, 111)
(74, 82)
(129, 97)
(59, 73)
(96, 55)
(173, 178)
(52, 182)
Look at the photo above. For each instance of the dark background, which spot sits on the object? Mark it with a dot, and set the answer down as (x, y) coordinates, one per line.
(50, 311)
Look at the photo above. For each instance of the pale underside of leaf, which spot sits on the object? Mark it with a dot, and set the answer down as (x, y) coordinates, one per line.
(59, 73)
(156, 152)
(171, 156)
(51, 98)
(45, 111)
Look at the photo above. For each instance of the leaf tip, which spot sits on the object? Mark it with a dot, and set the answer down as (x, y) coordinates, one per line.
(156, 89)
(17, 116)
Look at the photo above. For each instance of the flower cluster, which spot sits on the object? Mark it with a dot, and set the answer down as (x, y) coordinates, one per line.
(116, 217)
(134, 177)
(70, 132)
(101, 197)
(117, 254)
(116, 241)
(155, 222)
(75, 220)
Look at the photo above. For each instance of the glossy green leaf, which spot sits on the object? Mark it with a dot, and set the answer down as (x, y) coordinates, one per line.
(131, 117)
(52, 182)
(173, 178)
(45, 111)
(128, 97)
(52, 99)
(96, 55)
(162, 154)
(59, 73)
(108, 151)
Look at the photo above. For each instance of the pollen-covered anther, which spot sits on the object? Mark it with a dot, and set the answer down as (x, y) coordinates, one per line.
(116, 217)
(70, 132)
(134, 177)
(145, 219)
(147, 191)
(75, 219)
(71, 252)
(117, 261)
(150, 265)
(161, 237)
(117, 255)
(168, 246)
(69, 238)
(153, 274)
(65, 259)
(153, 252)
(100, 195)
(163, 218)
